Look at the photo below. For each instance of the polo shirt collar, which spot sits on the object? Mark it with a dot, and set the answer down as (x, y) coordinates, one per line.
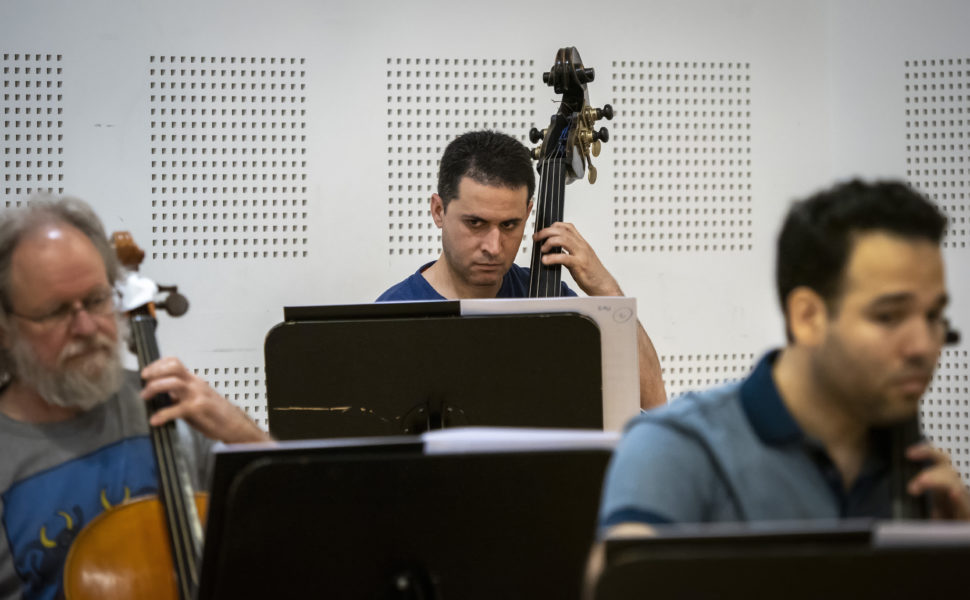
(764, 408)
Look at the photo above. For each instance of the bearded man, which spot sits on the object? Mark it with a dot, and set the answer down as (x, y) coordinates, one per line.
(73, 422)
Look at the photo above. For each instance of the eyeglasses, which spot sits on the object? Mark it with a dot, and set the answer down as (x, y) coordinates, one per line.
(100, 303)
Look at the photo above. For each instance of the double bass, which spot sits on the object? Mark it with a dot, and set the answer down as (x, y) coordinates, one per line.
(568, 145)
(148, 547)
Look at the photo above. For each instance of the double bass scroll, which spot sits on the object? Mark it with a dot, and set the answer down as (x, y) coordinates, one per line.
(568, 145)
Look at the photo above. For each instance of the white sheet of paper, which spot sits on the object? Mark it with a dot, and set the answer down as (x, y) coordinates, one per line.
(616, 318)
(513, 439)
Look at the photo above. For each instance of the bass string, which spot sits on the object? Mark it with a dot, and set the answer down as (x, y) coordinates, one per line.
(545, 281)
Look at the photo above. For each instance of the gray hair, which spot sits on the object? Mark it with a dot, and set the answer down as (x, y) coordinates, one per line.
(41, 210)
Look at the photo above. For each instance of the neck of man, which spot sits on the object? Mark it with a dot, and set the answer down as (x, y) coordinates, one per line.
(820, 414)
(22, 403)
(445, 281)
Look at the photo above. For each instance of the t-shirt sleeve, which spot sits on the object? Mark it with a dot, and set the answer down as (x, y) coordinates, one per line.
(659, 474)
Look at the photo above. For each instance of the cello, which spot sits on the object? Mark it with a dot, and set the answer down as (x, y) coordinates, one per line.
(121, 553)
(564, 156)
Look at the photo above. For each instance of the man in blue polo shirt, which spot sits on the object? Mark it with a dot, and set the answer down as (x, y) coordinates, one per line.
(485, 187)
(805, 436)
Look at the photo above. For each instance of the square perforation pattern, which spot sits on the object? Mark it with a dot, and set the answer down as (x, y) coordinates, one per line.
(243, 386)
(682, 156)
(945, 409)
(228, 165)
(695, 372)
(430, 101)
(32, 118)
(938, 137)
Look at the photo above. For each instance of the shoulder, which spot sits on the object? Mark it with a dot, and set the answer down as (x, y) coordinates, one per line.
(702, 411)
(691, 421)
(666, 466)
(415, 287)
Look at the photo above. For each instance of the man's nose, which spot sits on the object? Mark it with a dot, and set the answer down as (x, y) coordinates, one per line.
(82, 323)
(492, 241)
(924, 338)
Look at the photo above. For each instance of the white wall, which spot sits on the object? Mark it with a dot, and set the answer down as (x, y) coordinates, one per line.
(820, 96)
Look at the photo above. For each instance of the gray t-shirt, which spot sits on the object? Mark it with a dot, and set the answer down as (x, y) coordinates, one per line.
(56, 477)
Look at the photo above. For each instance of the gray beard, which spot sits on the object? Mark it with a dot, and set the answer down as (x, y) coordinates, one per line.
(96, 378)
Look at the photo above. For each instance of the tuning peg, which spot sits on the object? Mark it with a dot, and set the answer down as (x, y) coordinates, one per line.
(603, 135)
(596, 147)
(590, 172)
(585, 75)
(175, 304)
(606, 111)
(535, 136)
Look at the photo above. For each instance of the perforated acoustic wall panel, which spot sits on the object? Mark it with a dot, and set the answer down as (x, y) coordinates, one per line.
(228, 164)
(694, 372)
(33, 113)
(429, 102)
(945, 409)
(938, 137)
(244, 386)
(937, 117)
(682, 157)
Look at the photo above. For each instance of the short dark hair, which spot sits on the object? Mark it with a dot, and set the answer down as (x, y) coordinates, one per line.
(488, 157)
(819, 232)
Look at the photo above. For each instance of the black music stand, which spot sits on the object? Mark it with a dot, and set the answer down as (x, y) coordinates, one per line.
(838, 560)
(404, 368)
(383, 520)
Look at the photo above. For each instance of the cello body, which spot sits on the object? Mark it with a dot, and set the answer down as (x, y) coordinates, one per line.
(124, 553)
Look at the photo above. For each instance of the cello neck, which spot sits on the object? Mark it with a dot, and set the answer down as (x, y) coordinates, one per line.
(175, 487)
(544, 281)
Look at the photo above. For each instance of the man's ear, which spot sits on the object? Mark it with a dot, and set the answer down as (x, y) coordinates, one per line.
(807, 316)
(437, 210)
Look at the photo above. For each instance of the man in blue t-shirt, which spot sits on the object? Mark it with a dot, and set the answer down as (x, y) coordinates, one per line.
(485, 188)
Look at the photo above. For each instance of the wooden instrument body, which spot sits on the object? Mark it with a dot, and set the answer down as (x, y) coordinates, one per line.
(124, 553)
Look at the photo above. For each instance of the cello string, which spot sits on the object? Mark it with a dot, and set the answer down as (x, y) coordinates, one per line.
(178, 513)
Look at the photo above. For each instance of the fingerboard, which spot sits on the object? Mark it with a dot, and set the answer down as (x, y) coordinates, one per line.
(545, 281)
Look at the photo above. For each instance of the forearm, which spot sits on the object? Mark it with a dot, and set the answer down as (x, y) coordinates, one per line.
(652, 393)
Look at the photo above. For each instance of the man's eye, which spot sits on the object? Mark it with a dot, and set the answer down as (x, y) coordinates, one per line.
(510, 225)
(887, 318)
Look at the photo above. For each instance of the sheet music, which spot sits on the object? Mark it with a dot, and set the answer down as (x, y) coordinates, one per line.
(897, 534)
(616, 318)
(511, 439)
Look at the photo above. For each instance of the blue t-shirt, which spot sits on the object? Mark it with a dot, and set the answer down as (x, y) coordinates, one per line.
(735, 453)
(515, 284)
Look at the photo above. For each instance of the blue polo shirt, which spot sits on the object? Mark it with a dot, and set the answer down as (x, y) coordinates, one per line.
(515, 284)
(735, 453)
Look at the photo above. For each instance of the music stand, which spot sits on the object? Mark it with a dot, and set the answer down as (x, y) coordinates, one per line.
(359, 520)
(404, 368)
(743, 561)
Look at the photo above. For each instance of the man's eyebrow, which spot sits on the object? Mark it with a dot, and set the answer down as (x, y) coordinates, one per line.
(889, 300)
